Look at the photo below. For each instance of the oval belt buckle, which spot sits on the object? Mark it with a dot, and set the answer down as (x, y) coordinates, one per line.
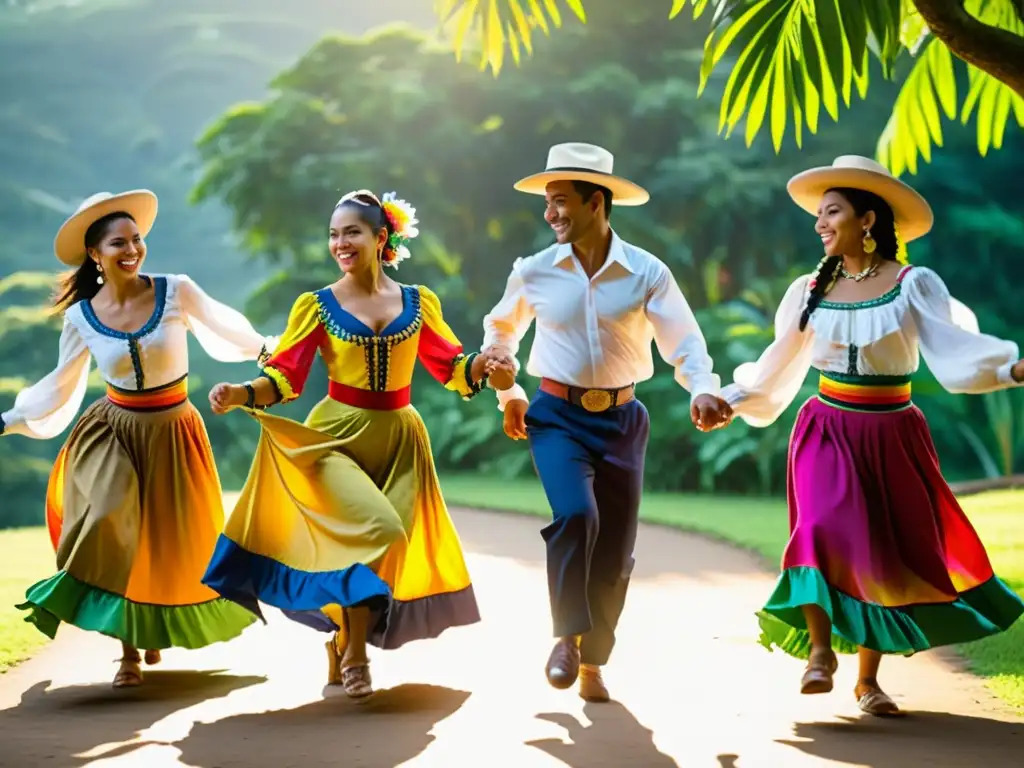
(596, 400)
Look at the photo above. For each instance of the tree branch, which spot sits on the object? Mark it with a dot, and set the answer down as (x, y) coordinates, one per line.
(998, 52)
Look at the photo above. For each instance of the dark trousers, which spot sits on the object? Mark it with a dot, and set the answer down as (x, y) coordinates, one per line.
(591, 466)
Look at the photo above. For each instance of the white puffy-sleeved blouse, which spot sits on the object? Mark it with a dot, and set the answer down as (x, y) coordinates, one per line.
(153, 356)
(883, 336)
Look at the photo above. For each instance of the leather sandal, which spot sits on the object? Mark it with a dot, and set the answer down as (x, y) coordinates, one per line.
(129, 674)
(356, 681)
(817, 677)
(877, 703)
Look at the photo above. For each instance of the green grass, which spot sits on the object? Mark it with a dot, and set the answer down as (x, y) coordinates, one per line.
(25, 557)
(761, 525)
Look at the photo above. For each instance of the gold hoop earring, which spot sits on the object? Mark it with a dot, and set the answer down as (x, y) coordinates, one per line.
(869, 242)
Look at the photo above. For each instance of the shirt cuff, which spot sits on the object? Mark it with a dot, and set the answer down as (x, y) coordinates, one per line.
(10, 423)
(705, 384)
(733, 395)
(1005, 375)
(516, 392)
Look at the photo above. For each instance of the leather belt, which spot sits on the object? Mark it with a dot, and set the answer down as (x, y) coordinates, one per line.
(593, 400)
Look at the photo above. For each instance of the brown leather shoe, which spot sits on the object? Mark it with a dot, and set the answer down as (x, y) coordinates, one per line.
(563, 667)
(592, 687)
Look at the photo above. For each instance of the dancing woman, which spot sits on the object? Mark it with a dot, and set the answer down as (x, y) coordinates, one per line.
(133, 504)
(341, 523)
(881, 558)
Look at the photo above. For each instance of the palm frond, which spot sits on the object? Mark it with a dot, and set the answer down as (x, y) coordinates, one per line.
(796, 56)
(495, 23)
(915, 125)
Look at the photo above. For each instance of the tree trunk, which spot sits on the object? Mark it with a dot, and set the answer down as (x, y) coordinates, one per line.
(996, 51)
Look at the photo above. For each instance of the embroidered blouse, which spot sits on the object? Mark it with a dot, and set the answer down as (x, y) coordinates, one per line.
(153, 356)
(369, 368)
(883, 336)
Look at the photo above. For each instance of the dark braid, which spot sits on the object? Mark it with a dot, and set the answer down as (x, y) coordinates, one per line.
(822, 281)
(883, 232)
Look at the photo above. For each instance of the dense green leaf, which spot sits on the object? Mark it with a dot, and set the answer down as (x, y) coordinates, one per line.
(913, 30)
(833, 39)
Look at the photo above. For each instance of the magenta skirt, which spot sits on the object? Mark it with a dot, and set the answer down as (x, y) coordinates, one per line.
(877, 538)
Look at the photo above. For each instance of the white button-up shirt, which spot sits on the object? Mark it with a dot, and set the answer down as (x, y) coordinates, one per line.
(597, 332)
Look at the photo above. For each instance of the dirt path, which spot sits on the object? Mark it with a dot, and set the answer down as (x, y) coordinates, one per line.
(694, 688)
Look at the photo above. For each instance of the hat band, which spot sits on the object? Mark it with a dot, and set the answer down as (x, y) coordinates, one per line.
(577, 169)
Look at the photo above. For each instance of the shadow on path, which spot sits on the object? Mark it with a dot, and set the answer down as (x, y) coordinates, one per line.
(392, 727)
(920, 738)
(614, 737)
(74, 720)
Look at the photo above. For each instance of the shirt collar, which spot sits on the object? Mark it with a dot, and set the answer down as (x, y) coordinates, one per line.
(616, 253)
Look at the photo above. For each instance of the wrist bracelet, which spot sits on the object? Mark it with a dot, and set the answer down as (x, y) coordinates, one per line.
(250, 400)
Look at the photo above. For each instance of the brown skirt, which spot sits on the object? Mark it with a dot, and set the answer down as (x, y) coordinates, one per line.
(134, 509)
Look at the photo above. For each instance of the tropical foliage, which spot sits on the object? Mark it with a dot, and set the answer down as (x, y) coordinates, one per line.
(719, 215)
(110, 95)
(789, 60)
(394, 110)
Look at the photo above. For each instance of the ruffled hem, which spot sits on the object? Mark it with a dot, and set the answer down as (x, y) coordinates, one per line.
(63, 598)
(249, 579)
(985, 610)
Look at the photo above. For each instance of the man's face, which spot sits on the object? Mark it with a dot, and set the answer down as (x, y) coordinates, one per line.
(570, 216)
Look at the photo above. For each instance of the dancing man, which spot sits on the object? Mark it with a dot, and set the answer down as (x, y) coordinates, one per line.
(598, 302)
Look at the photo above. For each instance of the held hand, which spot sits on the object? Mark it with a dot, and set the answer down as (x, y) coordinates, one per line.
(708, 413)
(1017, 372)
(515, 419)
(224, 397)
(479, 368)
(502, 375)
(498, 353)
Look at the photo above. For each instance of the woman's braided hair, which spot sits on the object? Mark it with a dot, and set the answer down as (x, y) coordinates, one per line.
(883, 231)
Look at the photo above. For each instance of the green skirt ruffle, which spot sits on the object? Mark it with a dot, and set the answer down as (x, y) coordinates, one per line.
(986, 610)
(63, 598)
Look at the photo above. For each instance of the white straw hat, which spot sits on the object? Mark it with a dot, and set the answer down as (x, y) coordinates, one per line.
(913, 214)
(69, 245)
(575, 161)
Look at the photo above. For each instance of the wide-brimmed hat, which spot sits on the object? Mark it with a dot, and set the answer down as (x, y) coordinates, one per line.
(69, 245)
(913, 214)
(575, 161)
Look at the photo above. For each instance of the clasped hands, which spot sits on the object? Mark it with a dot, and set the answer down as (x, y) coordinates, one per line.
(708, 413)
(497, 363)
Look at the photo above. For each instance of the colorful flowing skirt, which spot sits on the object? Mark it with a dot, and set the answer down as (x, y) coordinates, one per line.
(134, 508)
(877, 538)
(343, 511)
